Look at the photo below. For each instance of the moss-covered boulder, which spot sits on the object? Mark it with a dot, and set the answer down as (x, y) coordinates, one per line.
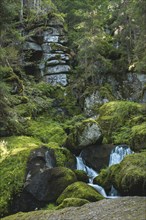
(138, 137)
(118, 120)
(84, 134)
(106, 178)
(63, 156)
(81, 176)
(128, 177)
(80, 190)
(72, 202)
(15, 152)
(47, 131)
(47, 185)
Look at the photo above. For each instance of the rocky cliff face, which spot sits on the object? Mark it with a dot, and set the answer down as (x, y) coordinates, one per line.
(45, 51)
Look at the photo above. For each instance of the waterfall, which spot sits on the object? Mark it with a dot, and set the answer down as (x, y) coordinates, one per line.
(118, 154)
(99, 189)
(116, 157)
(89, 171)
(91, 174)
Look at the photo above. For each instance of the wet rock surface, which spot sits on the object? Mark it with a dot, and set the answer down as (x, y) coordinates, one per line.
(100, 153)
(124, 208)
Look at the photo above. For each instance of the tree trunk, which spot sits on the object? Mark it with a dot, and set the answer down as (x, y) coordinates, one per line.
(21, 11)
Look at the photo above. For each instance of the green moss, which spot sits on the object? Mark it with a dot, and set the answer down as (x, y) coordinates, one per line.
(47, 131)
(50, 207)
(28, 215)
(63, 156)
(72, 202)
(13, 165)
(81, 176)
(117, 119)
(128, 177)
(106, 92)
(138, 137)
(80, 190)
(106, 178)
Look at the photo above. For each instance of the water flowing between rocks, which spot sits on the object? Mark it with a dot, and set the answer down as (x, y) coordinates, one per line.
(116, 156)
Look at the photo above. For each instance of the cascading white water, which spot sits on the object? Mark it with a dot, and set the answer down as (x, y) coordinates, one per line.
(91, 174)
(99, 189)
(118, 154)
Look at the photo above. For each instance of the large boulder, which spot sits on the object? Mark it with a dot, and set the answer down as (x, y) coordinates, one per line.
(47, 185)
(81, 176)
(80, 190)
(14, 156)
(127, 208)
(123, 122)
(128, 177)
(138, 137)
(97, 156)
(83, 135)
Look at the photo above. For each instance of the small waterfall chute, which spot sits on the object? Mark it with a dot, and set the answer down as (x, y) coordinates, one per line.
(91, 174)
(98, 189)
(89, 171)
(118, 154)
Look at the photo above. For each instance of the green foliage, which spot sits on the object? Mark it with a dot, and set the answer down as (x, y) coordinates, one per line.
(15, 152)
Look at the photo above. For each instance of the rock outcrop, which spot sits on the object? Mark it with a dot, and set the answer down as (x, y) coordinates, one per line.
(124, 208)
(45, 52)
(130, 87)
(83, 135)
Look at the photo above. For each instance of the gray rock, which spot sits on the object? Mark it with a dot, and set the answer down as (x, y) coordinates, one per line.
(51, 39)
(83, 135)
(57, 79)
(52, 56)
(47, 185)
(123, 208)
(46, 48)
(90, 135)
(58, 69)
(94, 153)
(55, 62)
(32, 46)
(92, 100)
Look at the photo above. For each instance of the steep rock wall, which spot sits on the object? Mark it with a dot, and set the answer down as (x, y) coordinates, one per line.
(45, 52)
